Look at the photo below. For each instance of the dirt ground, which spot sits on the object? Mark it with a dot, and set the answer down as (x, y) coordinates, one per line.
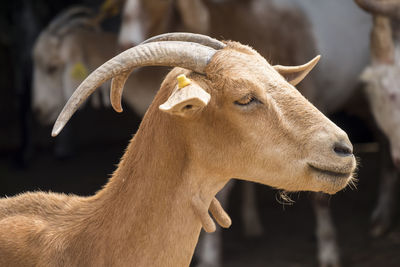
(289, 230)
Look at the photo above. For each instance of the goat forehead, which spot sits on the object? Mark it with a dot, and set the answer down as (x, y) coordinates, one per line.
(239, 69)
(233, 64)
(239, 60)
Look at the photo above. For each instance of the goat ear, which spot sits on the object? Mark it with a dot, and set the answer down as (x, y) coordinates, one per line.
(295, 74)
(186, 101)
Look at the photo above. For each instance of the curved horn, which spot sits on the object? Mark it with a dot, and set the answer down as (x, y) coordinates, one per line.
(187, 37)
(390, 8)
(117, 86)
(174, 54)
(118, 82)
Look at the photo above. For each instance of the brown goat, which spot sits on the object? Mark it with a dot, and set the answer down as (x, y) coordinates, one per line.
(236, 117)
(258, 23)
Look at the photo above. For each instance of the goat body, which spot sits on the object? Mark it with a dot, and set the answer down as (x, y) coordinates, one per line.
(288, 32)
(202, 135)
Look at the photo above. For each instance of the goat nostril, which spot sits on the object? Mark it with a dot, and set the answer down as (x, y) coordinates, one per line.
(342, 149)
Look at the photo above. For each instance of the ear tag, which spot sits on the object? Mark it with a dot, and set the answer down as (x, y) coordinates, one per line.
(183, 81)
(79, 71)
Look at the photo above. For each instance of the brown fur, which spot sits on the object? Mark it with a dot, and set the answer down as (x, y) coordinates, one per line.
(144, 215)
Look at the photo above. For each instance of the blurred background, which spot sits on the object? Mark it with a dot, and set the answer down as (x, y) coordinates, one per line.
(48, 47)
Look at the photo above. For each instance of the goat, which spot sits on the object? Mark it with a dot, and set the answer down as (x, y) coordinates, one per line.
(63, 54)
(71, 40)
(68, 48)
(65, 51)
(308, 27)
(268, 34)
(382, 91)
(236, 116)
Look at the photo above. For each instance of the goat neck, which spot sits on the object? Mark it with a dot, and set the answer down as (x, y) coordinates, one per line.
(155, 186)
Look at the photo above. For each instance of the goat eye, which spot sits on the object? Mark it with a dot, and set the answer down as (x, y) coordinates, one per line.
(245, 101)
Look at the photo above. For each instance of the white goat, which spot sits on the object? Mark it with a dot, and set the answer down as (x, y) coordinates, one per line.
(63, 55)
(235, 117)
(383, 93)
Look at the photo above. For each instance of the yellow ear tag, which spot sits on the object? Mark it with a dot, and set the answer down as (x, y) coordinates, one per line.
(79, 71)
(183, 81)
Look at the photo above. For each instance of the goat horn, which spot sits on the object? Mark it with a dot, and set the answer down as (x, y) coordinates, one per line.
(390, 8)
(117, 86)
(174, 54)
(187, 37)
(303, 69)
(118, 82)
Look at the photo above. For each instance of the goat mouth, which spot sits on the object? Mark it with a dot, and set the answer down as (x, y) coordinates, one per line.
(330, 173)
